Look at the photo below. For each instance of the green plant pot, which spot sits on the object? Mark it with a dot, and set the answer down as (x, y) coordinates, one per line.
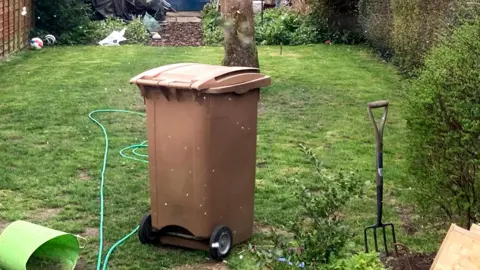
(24, 245)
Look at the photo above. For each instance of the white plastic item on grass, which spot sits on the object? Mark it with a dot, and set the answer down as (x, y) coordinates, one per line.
(114, 38)
(50, 39)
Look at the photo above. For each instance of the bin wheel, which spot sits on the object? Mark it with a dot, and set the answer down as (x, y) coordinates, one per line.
(146, 235)
(221, 243)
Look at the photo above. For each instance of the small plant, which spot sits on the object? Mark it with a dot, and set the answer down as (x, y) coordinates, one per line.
(361, 261)
(59, 17)
(320, 234)
(279, 26)
(211, 24)
(282, 25)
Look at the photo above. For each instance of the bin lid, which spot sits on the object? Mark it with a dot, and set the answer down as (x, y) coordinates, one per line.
(206, 78)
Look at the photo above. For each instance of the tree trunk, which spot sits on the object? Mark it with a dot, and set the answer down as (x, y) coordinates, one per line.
(239, 30)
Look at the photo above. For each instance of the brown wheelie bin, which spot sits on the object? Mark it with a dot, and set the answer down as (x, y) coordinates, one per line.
(202, 135)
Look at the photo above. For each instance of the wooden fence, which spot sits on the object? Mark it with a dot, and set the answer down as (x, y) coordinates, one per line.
(16, 20)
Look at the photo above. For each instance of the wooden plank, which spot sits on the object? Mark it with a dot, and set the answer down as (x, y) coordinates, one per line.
(26, 23)
(4, 36)
(460, 249)
(22, 20)
(14, 27)
(8, 27)
(11, 27)
(19, 26)
(2, 43)
(25, 27)
(5, 28)
(16, 13)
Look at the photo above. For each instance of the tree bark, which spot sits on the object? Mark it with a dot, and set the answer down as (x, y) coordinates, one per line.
(239, 33)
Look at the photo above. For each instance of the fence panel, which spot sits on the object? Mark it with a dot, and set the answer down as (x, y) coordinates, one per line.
(15, 25)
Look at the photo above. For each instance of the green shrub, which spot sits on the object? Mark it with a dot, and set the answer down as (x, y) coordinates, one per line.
(417, 25)
(211, 25)
(94, 31)
(444, 129)
(362, 261)
(281, 25)
(320, 235)
(407, 29)
(70, 22)
(59, 17)
(335, 20)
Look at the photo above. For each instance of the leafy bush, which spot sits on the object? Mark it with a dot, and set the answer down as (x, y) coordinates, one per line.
(362, 261)
(406, 30)
(444, 128)
(335, 20)
(211, 22)
(94, 31)
(282, 25)
(416, 28)
(320, 233)
(59, 17)
(70, 22)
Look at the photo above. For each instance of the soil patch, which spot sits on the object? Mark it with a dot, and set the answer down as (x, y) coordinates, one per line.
(41, 145)
(406, 214)
(83, 175)
(90, 232)
(262, 164)
(267, 229)
(138, 107)
(80, 264)
(411, 262)
(3, 225)
(261, 108)
(180, 34)
(46, 213)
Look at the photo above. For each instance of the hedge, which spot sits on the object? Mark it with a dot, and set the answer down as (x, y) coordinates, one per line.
(408, 29)
(375, 17)
(443, 122)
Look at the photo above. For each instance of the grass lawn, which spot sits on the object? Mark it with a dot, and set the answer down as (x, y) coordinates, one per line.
(51, 152)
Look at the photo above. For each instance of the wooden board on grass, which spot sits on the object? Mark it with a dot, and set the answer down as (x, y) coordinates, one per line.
(460, 250)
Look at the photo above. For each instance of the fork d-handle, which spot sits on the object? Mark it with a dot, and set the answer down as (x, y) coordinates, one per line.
(378, 128)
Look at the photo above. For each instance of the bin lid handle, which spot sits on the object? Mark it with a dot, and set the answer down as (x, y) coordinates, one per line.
(240, 88)
(228, 79)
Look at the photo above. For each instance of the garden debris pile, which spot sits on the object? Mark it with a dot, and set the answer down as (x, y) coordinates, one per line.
(181, 29)
(180, 34)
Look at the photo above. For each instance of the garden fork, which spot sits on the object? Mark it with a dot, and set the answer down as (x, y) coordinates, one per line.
(378, 128)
